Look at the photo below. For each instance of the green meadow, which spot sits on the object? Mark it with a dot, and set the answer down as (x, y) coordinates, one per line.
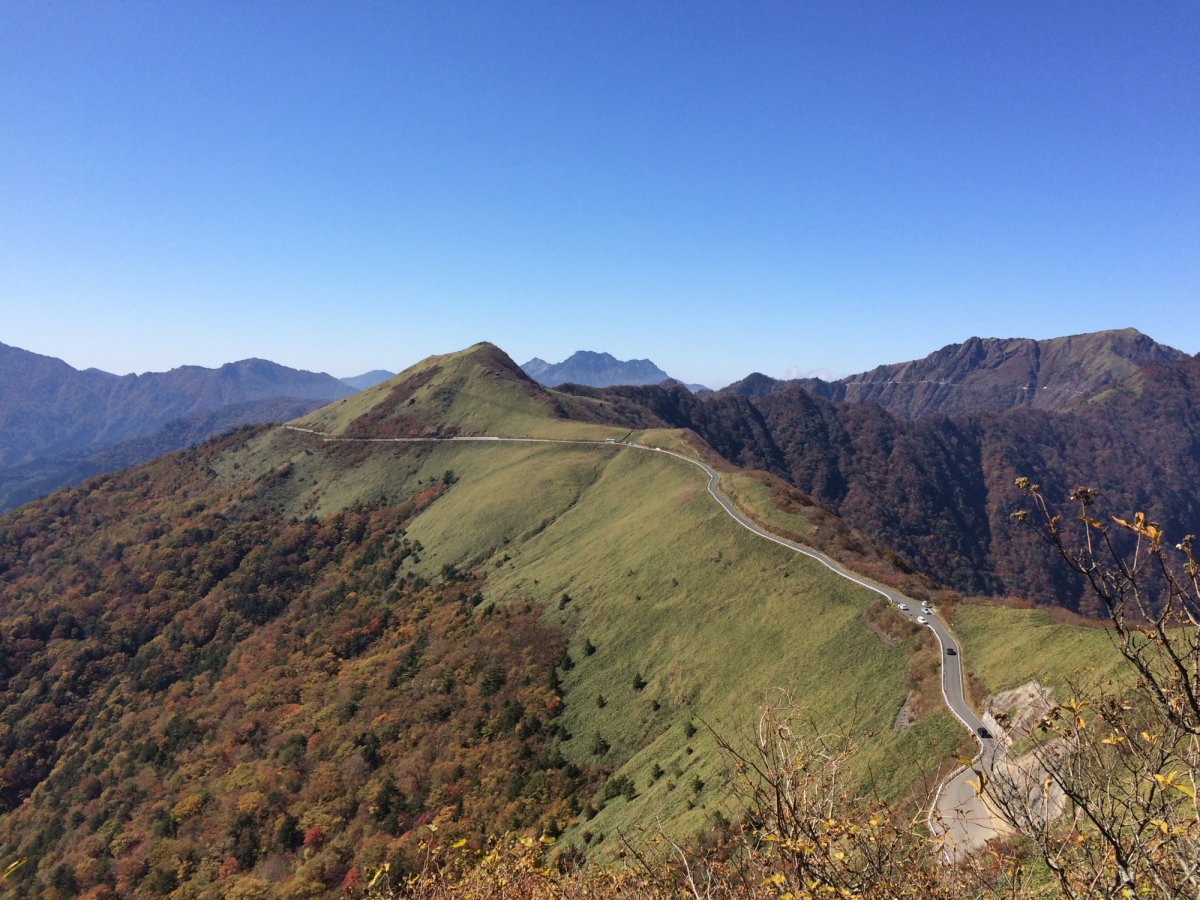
(681, 623)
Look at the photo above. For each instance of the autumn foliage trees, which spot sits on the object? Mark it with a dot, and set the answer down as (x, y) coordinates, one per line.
(199, 693)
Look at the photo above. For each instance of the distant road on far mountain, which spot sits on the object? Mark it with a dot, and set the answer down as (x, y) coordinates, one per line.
(988, 375)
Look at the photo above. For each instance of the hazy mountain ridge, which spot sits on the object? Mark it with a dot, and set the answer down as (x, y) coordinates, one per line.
(367, 379)
(592, 369)
(28, 481)
(46, 406)
(53, 416)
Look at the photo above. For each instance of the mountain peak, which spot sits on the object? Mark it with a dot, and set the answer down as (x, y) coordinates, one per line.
(477, 390)
(366, 379)
(594, 356)
(594, 369)
(756, 384)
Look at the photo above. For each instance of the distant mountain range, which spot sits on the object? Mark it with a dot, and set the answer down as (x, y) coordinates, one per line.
(920, 454)
(593, 369)
(59, 424)
(987, 375)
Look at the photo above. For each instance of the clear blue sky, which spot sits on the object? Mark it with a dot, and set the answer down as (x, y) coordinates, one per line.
(721, 187)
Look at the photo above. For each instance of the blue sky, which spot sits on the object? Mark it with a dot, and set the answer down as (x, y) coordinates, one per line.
(720, 187)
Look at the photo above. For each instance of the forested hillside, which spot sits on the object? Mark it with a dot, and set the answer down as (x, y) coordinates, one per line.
(207, 678)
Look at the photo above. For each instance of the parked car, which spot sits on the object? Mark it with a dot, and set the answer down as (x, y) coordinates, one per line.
(903, 607)
(983, 732)
(921, 620)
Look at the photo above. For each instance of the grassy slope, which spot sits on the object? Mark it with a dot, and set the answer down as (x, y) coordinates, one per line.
(469, 392)
(1003, 646)
(662, 582)
(751, 494)
(1007, 647)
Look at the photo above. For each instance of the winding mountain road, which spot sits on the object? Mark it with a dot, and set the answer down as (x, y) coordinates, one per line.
(958, 816)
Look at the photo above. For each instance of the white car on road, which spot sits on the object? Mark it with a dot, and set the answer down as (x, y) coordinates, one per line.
(921, 620)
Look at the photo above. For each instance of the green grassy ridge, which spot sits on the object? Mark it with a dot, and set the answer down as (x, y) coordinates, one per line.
(665, 585)
(580, 519)
(714, 619)
(473, 391)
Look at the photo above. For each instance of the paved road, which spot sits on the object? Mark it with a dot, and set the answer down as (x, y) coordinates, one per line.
(958, 815)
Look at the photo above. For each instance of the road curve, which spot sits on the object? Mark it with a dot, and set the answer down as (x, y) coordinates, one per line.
(958, 815)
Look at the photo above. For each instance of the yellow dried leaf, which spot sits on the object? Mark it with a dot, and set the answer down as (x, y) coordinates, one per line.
(1186, 789)
(977, 786)
(379, 873)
